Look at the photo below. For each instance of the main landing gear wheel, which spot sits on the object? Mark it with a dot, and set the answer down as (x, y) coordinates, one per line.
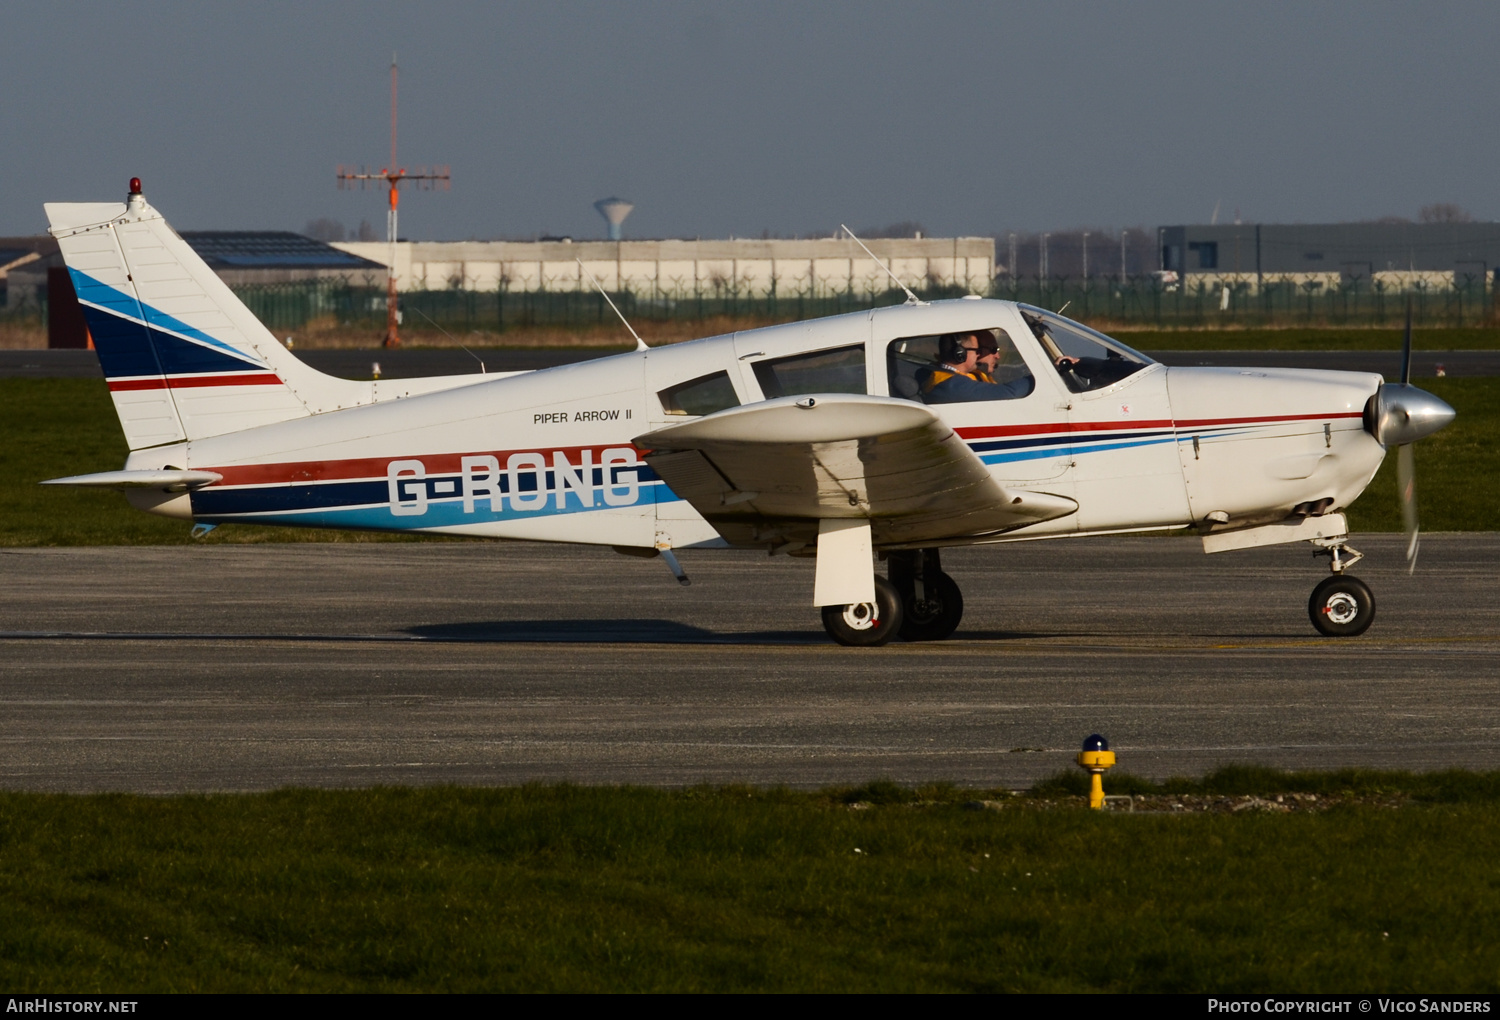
(1341, 606)
(866, 623)
(935, 614)
(931, 603)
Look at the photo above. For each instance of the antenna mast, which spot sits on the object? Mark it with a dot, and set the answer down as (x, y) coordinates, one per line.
(911, 298)
(394, 175)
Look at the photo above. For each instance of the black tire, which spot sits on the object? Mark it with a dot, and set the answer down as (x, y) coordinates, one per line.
(1341, 606)
(866, 624)
(936, 616)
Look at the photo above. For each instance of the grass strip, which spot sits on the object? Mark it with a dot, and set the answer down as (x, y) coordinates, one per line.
(558, 888)
(54, 427)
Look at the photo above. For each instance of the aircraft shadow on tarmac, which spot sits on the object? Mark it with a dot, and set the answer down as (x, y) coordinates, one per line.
(605, 632)
(650, 632)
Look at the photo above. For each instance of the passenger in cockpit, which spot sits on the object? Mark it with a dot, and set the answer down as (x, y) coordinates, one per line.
(989, 365)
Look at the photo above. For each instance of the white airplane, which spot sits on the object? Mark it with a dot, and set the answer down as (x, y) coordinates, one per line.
(839, 438)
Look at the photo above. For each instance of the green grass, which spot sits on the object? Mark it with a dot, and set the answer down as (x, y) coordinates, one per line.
(1308, 339)
(1451, 787)
(733, 889)
(1458, 469)
(53, 427)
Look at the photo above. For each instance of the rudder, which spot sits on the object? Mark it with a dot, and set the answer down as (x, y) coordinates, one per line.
(184, 358)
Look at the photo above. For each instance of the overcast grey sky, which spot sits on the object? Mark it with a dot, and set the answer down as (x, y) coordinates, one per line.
(719, 119)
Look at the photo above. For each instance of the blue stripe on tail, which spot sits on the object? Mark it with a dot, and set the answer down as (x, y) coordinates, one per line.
(130, 339)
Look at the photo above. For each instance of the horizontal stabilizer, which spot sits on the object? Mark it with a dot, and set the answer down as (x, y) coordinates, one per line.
(164, 478)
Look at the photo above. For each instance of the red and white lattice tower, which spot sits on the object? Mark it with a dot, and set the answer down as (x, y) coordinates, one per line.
(394, 176)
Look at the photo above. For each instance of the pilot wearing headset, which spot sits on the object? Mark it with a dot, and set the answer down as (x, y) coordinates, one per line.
(958, 377)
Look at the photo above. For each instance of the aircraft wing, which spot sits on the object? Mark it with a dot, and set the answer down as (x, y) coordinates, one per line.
(809, 458)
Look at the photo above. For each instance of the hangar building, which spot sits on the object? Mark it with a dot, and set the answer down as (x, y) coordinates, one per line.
(32, 273)
(1395, 256)
(673, 268)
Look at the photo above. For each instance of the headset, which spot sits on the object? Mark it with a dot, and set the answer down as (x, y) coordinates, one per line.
(951, 345)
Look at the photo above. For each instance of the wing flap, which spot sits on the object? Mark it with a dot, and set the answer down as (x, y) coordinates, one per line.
(840, 456)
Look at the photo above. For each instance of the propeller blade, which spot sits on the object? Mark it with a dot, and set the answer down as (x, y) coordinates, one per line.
(1406, 347)
(1406, 485)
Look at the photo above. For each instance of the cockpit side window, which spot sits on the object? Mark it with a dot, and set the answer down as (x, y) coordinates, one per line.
(704, 395)
(841, 370)
(957, 368)
(1086, 359)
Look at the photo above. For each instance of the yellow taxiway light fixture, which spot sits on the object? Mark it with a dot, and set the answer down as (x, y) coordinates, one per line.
(1096, 758)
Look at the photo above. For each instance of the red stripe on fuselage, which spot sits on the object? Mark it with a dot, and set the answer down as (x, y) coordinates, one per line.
(179, 382)
(994, 431)
(376, 467)
(1204, 422)
(451, 463)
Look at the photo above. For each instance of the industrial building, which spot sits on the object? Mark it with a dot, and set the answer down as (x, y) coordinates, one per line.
(242, 257)
(680, 268)
(32, 274)
(1390, 256)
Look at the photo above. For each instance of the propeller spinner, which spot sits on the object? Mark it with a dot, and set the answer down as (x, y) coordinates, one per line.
(1398, 415)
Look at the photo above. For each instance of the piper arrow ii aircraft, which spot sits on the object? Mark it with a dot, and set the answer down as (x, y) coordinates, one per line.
(901, 431)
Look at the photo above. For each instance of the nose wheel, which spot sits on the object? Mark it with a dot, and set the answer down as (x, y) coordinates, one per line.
(1341, 606)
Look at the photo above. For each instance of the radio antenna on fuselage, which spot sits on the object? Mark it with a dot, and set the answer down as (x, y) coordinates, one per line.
(640, 344)
(911, 298)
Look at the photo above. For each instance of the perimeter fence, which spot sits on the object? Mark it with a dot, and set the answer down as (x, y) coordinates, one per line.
(1141, 302)
(1134, 301)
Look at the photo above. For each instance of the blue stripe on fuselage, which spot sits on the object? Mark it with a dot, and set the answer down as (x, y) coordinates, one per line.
(336, 496)
(1014, 450)
(445, 512)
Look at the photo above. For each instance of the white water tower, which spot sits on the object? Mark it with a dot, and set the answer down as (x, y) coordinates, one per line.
(614, 211)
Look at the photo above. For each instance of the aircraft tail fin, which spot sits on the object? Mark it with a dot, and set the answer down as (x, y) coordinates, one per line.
(184, 358)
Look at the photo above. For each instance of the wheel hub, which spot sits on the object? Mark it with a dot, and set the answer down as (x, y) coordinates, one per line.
(861, 615)
(924, 610)
(1341, 608)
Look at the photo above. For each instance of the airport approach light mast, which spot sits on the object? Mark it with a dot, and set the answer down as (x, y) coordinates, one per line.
(394, 175)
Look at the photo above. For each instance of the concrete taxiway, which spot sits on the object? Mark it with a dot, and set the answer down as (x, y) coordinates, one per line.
(251, 667)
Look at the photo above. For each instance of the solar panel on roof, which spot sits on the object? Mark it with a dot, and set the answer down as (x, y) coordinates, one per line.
(270, 249)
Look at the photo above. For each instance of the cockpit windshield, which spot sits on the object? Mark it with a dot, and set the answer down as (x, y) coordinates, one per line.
(1086, 359)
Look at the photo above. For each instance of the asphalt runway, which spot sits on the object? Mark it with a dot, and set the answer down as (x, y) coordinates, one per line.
(408, 363)
(222, 667)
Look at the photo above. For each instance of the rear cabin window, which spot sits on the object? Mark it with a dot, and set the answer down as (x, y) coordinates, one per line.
(924, 369)
(704, 395)
(841, 370)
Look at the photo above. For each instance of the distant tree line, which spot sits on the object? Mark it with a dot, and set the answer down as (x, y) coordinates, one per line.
(333, 230)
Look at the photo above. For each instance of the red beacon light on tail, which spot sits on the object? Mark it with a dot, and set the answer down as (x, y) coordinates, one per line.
(135, 185)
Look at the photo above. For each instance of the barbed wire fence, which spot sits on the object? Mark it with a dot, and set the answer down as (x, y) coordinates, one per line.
(1138, 302)
(1145, 301)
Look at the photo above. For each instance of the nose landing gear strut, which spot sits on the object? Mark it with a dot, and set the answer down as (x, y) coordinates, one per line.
(1341, 605)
